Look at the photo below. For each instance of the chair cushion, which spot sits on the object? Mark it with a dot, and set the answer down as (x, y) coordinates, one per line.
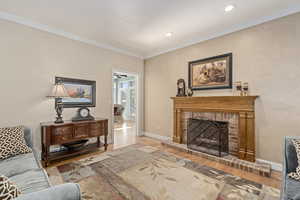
(12, 142)
(18, 164)
(292, 188)
(31, 181)
(8, 190)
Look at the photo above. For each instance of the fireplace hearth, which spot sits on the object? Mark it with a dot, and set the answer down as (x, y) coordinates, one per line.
(208, 136)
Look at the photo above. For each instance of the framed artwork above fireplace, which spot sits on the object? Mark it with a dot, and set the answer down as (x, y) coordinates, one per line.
(211, 73)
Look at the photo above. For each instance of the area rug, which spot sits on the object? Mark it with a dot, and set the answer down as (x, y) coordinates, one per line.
(141, 172)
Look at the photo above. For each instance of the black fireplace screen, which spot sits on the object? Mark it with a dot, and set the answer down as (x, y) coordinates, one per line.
(208, 136)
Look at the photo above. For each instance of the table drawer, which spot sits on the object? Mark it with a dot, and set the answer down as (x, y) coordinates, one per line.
(81, 131)
(62, 135)
(96, 129)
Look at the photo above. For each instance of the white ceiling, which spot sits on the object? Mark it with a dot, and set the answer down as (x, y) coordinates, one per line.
(138, 27)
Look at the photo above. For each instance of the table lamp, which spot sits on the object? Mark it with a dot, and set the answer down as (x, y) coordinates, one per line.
(58, 92)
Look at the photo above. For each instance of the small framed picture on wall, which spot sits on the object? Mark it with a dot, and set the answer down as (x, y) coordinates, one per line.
(211, 73)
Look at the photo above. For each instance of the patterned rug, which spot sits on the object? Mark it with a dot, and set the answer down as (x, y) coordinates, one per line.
(142, 172)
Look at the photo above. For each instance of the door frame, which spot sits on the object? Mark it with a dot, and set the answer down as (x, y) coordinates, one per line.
(137, 98)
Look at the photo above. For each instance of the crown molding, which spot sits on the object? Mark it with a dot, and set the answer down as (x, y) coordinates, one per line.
(46, 28)
(284, 13)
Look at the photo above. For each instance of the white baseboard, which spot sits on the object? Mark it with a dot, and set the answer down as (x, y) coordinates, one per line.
(274, 165)
(156, 136)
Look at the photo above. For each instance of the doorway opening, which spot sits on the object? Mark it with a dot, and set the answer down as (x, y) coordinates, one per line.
(124, 109)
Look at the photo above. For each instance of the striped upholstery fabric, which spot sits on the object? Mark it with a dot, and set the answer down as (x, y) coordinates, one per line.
(31, 181)
(12, 166)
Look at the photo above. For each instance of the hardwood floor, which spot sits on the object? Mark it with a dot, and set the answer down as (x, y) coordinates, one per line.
(129, 138)
(124, 134)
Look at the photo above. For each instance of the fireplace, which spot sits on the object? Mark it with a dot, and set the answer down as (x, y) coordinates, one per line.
(238, 111)
(208, 136)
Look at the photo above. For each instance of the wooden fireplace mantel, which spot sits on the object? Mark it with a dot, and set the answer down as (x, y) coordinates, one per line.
(244, 106)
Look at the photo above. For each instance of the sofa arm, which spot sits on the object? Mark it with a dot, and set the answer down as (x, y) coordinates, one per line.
(290, 163)
(28, 137)
(68, 191)
(297, 197)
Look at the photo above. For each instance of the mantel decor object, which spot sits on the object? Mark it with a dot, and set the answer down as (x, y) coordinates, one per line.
(181, 88)
(190, 92)
(237, 91)
(58, 92)
(241, 88)
(245, 89)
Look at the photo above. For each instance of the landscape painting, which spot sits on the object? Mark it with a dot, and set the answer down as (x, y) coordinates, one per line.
(211, 73)
(78, 93)
(82, 93)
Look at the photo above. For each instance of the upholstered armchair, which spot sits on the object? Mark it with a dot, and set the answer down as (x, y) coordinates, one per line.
(290, 187)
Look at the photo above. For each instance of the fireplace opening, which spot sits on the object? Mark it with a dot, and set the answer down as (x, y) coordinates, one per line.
(208, 136)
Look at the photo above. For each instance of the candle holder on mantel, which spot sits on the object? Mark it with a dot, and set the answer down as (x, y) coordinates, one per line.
(241, 89)
(245, 89)
(237, 88)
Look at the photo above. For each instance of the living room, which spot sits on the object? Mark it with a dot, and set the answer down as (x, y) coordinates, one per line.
(215, 101)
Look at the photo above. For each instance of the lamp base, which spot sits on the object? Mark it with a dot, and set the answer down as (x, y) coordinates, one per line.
(59, 109)
(59, 121)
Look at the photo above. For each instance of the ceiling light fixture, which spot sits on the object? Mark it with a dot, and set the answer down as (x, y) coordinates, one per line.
(229, 8)
(169, 34)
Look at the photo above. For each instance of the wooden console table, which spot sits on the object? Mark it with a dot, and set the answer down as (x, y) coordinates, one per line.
(58, 134)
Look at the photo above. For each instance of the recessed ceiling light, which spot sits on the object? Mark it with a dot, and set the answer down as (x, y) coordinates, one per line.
(169, 34)
(229, 8)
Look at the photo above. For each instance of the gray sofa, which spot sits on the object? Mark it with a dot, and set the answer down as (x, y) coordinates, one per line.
(32, 180)
(290, 187)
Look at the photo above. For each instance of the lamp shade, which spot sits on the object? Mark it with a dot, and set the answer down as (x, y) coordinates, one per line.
(58, 91)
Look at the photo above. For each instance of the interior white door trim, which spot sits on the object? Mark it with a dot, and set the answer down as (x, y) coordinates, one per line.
(138, 100)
